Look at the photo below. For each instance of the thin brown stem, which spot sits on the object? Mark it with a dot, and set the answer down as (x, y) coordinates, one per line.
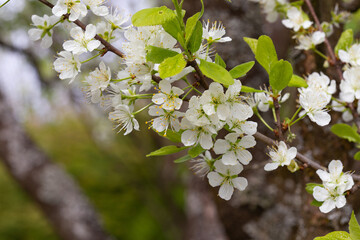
(108, 46)
(199, 73)
(278, 120)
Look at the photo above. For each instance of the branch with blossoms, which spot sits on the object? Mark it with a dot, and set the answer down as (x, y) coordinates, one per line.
(161, 52)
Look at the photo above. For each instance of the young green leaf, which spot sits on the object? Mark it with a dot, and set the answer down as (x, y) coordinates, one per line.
(266, 53)
(316, 203)
(297, 81)
(252, 42)
(183, 159)
(338, 235)
(190, 26)
(152, 16)
(241, 70)
(346, 39)
(172, 66)
(220, 61)
(166, 151)
(345, 131)
(249, 89)
(216, 72)
(195, 151)
(354, 227)
(158, 55)
(357, 156)
(280, 75)
(173, 28)
(196, 38)
(310, 187)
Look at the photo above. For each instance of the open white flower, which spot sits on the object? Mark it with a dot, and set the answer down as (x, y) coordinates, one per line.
(202, 164)
(83, 41)
(215, 33)
(282, 156)
(213, 101)
(331, 197)
(117, 19)
(196, 114)
(43, 29)
(76, 9)
(242, 126)
(352, 55)
(321, 82)
(350, 86)
(168, 97)
(296, 19)
(98, 80)
(68, 65)
(197, 134)
(307, 42)
(264, 100)
(96, 8)
(335, 177)
(124, 118)
(165, 119)
(234, 149)
(227, 178)
(314, 104)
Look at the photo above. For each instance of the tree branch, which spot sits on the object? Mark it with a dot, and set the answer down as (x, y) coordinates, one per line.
(200, 74)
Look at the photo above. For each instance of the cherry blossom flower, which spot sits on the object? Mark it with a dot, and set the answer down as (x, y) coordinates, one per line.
(307, 42)
(43, 29)
(98, 80)
(124, 118)
(296, 19)
(68, 65)
(83, 41)
(351, 56)
(197, 134)
(165, 119)
(227, 178)
(215, 33)
(350, 86)
(282, 156)
(168, 97)
(96, 8)
(76, 9)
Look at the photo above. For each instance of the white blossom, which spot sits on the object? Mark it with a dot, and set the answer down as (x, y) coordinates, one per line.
(168, 96)
(124, 118)
(98, 80)
(227, 178)
(350, 86)
(351, 56)
(196, 114)
(335, 177)
(215, 33)
(264, 100)
(96, 8)
(314, 104)
(296, 19)
(117, 18)
(68, 65)
(307, 42)
(202, 164)
(346, 112)
(76, 9)
(197, 134)
(234, 148)
(83, 41)
(213, 101)
(282, 156)
(165, 119)
(43, 29)
(269, 8)
(321, 82)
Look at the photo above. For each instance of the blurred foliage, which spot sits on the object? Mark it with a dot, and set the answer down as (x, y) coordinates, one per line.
(126, 188)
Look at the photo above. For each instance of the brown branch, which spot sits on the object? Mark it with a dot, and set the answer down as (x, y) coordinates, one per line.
(299, 156)
(278, 120)
(108, 46)
(202, 80)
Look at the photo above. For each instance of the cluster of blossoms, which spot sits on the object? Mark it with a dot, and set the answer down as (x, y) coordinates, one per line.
(335, 184)
(177, 106)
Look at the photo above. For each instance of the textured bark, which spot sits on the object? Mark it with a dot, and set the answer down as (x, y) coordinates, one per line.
(56, 193)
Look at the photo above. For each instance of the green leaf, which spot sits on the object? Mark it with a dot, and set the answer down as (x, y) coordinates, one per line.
(166, 150)
(265, 52)
(172, 136)
(181, 40)
(316, 203)
(297, 81)
(241, 70)
(183, 159)
(249, 89)
(354, 227)
(252, 42)
(216, 72)
(152, 16)
(195, 151)
(310, 187)
(345, 131)
(280, 75)
(357, 156)
(173, 28)
(190, 26)
(196, 38)
(172, 66)
(158, 55)
(338, 235)
(345, 41)
(220, 61)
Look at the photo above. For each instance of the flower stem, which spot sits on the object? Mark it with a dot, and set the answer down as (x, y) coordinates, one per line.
(142, 109)
(87, 60)
(295, 114)
(320, 53)
(263, 121)
(4, 3)
(119, 80)
(292, 123)
(187, 94)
